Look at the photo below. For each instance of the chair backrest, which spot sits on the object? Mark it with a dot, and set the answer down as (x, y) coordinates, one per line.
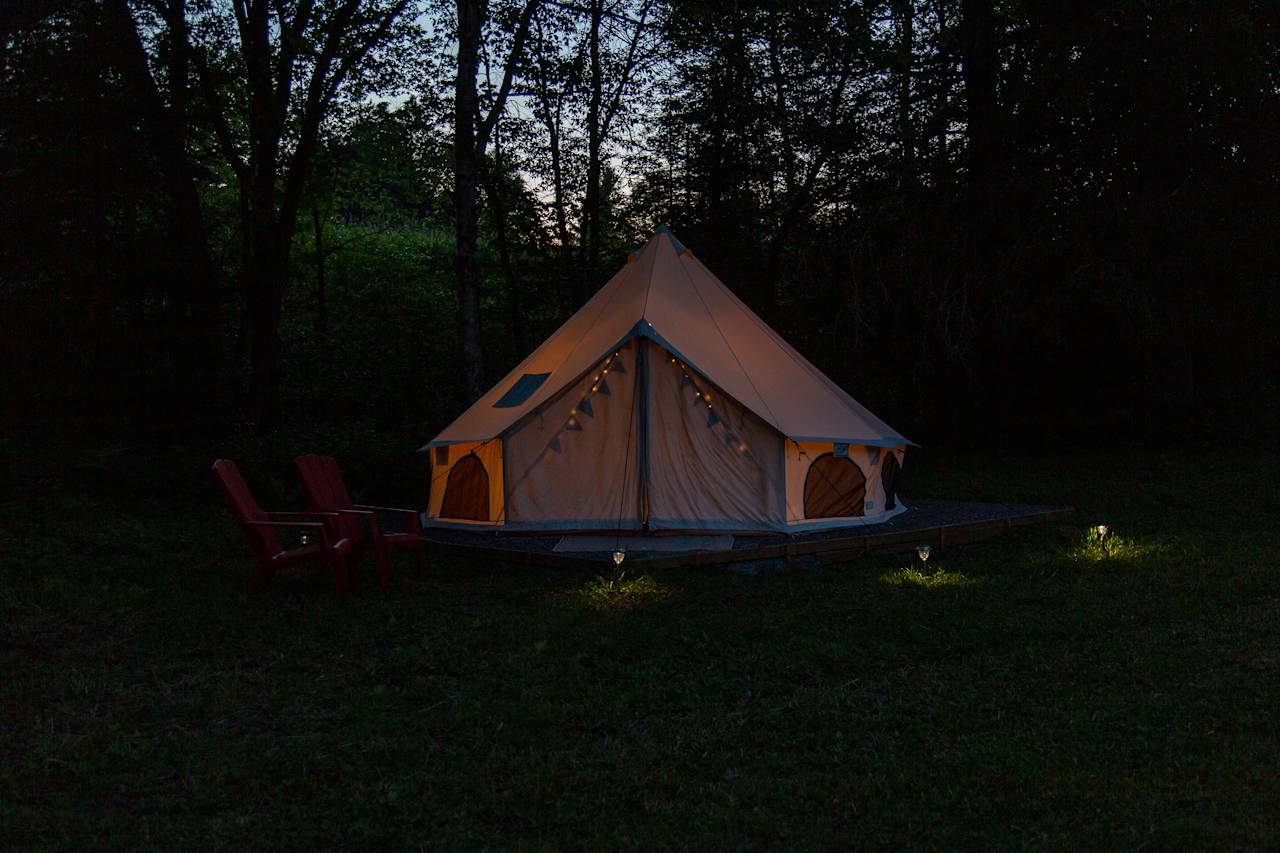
(322, 478)
(236, 492)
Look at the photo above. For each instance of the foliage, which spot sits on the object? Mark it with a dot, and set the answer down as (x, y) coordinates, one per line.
(1088, 258)
(1046, 702)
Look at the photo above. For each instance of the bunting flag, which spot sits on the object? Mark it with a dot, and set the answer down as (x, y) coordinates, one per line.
(713, 418)
(585, 407)
(603, 387)
(616, 366)
(554, 443)
(685, 381)
(730, 439)
(573, 425)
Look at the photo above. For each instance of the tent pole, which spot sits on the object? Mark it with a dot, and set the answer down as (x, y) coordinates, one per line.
(642, 440)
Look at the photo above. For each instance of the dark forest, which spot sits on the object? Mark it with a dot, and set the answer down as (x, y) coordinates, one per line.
(1022, 223)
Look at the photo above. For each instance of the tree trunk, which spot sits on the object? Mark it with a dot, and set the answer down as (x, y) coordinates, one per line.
(265, 257)
(194, 338)
(497, 197)
(471, 14)
(980, 67)
(591, 197)
(322, 305)
(551, 119)
(941, 166)
(906, 59)
(558, 202)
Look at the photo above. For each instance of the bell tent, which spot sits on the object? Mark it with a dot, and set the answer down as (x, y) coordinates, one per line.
(664, 404)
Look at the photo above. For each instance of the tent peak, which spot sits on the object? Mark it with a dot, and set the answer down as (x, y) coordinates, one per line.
(665, 230)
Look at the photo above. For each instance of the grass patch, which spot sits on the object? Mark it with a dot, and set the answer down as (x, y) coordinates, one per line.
(1100, 544)
(912, 576)
(621, 591)
(1046, 689)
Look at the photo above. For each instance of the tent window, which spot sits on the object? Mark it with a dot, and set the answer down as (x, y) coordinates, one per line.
(466, 494)
(889, 479)
(834, 488)
(521, 390)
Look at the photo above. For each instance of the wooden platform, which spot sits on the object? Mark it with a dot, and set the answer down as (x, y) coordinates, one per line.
(939, 524)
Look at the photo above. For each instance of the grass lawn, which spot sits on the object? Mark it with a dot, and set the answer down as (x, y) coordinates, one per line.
(1041, 690)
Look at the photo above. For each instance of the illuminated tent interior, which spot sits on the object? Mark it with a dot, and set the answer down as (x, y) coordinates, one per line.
(664, 404)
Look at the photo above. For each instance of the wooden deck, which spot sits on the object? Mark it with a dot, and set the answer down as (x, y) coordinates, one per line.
(937, 524)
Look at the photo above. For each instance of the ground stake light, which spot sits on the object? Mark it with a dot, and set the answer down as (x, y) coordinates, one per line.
(923, 553)
(618, 556)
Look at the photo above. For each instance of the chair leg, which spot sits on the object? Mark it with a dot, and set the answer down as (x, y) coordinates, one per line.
(341, 572)
(383, 555)
(261, 575)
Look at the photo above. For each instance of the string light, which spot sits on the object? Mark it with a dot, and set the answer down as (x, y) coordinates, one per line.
(705, 397)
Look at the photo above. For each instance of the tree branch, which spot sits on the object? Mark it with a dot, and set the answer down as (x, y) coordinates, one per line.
(323, 87)
(508, 75)
(628, 67)
(218, 110)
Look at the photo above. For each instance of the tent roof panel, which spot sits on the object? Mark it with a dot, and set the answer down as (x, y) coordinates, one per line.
(664, 292)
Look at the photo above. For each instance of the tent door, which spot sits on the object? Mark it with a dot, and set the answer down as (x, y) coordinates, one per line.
(466, 493)
(889, 479)
(834, 488)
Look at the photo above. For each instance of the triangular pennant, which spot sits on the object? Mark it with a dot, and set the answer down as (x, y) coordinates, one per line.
(573, 425)
(585, 407)
(730, 439)
(603, 387)
(685, 380)
(616, 366)
(554, 444)
(713, 418)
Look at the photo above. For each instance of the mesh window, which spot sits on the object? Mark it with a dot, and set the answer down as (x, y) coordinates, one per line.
(834, 488)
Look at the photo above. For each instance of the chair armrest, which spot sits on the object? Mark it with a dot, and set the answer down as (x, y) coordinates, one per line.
(415, 523)
(297, 525)
(330, 519)
(368, 515)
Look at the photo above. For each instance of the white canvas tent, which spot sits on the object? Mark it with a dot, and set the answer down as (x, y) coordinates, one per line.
(664, 404)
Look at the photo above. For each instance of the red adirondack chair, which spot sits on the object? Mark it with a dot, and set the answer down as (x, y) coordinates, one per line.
(260, 530)
(322, 479)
